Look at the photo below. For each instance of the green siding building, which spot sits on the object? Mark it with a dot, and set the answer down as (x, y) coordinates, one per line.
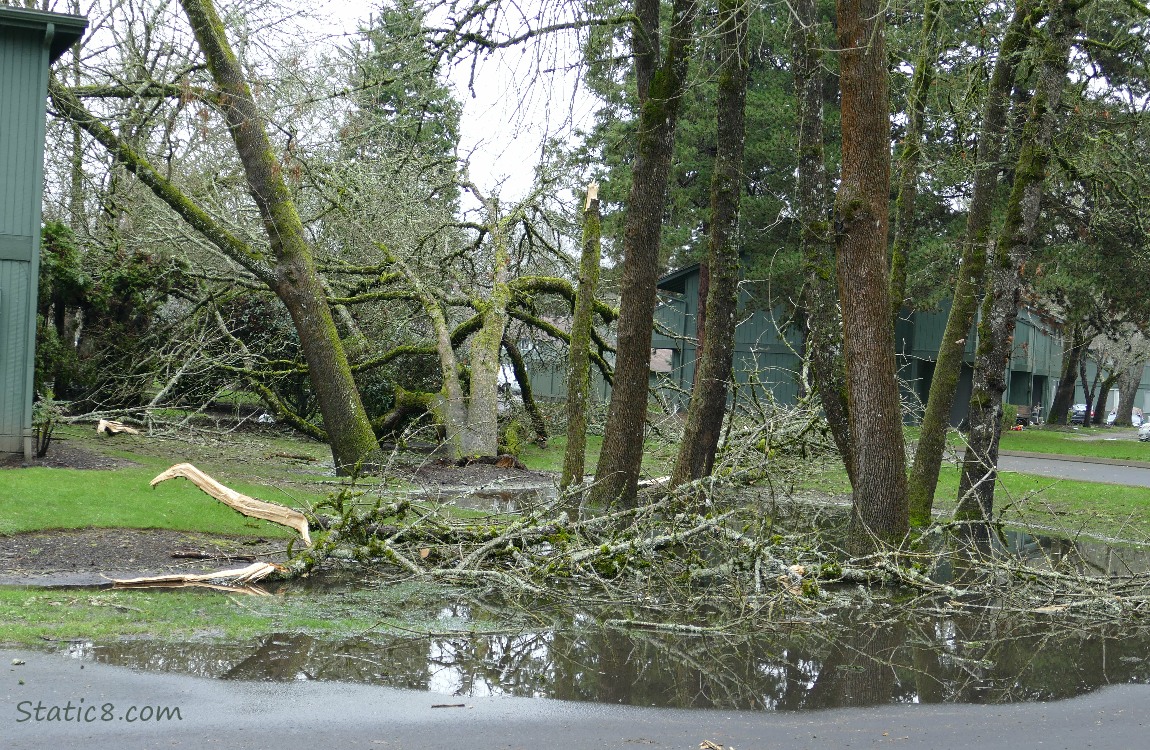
(771, 358)
(29, 42)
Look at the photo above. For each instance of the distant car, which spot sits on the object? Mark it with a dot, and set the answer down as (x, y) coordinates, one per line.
(1078, 414)
(1136, 417)
(1144, 432)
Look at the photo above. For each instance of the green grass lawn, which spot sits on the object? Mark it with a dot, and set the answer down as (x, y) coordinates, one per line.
(1105, 510)
(1093, 442)
(39, 498)
(56, 498)
(658, 458)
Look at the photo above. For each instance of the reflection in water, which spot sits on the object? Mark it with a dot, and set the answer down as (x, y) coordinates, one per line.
(862, 659)
(864, 655)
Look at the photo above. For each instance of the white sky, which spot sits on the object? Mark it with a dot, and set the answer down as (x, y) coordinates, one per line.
(512, 108)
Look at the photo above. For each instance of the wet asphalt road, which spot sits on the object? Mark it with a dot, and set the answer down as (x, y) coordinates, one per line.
(235, 715)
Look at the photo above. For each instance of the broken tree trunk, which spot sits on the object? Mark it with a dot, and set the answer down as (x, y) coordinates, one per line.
(112, 427)
(248, 506)
(221, 579)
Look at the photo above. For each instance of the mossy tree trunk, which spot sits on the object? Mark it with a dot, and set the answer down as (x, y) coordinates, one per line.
(708, 406)
(661, 78)
(910, 157)
(452, 409)
(579, 357)
(928, 454)
(1000, 305)
(824, 334)
(481, 433)
(296, 281)
(879, 509)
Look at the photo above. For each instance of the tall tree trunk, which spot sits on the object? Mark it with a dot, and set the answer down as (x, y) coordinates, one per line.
(701, 314)
(824, 332)
(579, 358)
(1078, 340)
(708, 405)
(1000, 306)
(1102, 395)
(1128, 383)
(944, 383)
(481, 434)
(910, 158)
(661, 86)
(1087, 389)
(879, 510)
(296, 279)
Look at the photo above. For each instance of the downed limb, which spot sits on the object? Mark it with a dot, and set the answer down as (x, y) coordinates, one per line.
(112, 427)
(235, 576)
(246, 505)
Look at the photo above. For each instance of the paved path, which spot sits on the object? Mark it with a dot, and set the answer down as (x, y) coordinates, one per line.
(1073, 467)
(234, 715)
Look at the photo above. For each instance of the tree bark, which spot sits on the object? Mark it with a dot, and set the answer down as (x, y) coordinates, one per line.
(923, 480)
(910, 158)
(1000, 306)
(296, 280)
(481, 432)
(452, 410)
(824, 333)
(660, 88)
(1087, 390)
(1079, 339)
(696, 456)
(1128, 383)
(579, 358)
(879, 509)
(1101, 395)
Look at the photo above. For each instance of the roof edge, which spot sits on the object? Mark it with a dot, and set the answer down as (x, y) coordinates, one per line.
(67, 29)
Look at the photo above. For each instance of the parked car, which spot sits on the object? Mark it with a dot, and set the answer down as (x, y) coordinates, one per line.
(1136, 417)
(1078, 414)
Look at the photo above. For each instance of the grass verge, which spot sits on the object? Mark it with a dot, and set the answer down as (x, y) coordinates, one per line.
(31, 616)
(1090, 443)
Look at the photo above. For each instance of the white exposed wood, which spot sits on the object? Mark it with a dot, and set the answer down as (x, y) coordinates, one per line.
(112, 427)
(592, 194)
(235, 576)
(248, 506)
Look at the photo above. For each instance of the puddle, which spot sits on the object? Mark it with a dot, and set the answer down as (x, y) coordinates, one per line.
(858, 657)
(988, 658)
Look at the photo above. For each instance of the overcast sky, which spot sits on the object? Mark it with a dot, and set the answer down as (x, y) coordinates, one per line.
(512, 107)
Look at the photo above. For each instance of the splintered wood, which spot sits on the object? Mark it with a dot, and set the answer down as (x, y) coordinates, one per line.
(112, 427)
(221, 579)
(248, 506)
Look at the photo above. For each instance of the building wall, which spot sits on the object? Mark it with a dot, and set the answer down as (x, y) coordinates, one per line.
(770, 360)
(23, 81)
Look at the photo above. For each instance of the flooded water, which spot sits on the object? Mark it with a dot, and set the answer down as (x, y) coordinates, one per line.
(863, 659)
(856, 656)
